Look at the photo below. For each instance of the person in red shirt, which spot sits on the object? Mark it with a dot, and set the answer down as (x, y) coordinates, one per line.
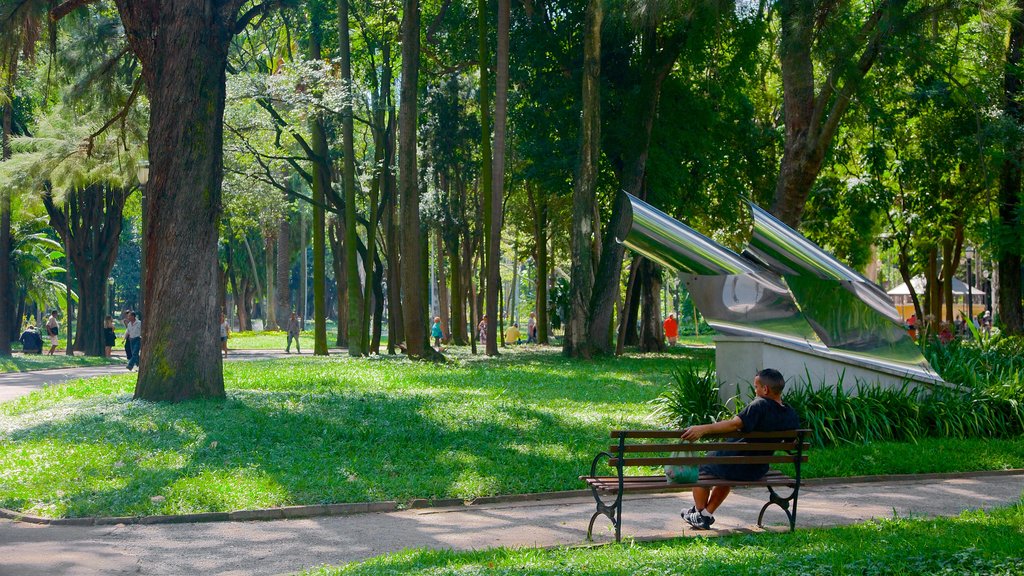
(671, 329)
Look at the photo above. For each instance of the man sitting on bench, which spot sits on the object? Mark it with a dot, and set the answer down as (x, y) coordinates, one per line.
(766, 413)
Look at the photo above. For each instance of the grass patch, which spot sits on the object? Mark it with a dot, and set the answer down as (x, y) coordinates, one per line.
(28, 362)
(318, 430)
(305, 430)
(972, 543)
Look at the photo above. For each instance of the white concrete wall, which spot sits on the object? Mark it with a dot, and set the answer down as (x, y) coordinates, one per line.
(738, 358)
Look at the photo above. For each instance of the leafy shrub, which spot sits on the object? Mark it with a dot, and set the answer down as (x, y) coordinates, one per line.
(692, 398)
(869, 413)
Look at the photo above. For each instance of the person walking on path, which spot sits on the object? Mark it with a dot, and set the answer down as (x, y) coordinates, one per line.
(108, 335)
(531, 329)
(672, 329)
(127, 346)
(766, 413)
(52, 329)
(133, 334)
(225, 331)
(294, 328)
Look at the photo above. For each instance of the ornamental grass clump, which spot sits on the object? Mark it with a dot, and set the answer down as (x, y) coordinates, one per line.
(691, 398)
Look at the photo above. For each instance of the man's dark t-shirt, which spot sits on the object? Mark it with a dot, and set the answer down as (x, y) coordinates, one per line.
(761, 415)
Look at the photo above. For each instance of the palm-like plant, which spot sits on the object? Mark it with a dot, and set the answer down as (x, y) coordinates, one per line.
(33, 256)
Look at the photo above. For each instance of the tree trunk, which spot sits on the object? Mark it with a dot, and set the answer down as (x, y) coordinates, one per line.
(183, 200)
(441, 285)
(539, 203)
(89, 224)
(1011, 315)
(457, 320)
(321, 184)
(7, 322)
(269, 241)
(336, 236)
(486, 177)
(378, 305)
(652, 336)
(657, 66)
(357, 331)
(413, 308)
(584, 189)
(812, 119)
(284, 270)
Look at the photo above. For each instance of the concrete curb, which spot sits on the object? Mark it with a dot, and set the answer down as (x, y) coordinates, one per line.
(348, 509)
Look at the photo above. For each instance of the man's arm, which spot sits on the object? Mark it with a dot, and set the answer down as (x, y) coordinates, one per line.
(695, 432)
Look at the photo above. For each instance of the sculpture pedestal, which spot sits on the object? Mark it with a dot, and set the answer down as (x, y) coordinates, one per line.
(738, 358)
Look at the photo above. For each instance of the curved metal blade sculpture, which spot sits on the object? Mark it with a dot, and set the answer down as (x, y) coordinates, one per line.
(783, 287)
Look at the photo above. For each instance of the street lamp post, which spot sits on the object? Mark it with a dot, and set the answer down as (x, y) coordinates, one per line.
(143, 174)
(970, 286)
(110, 295)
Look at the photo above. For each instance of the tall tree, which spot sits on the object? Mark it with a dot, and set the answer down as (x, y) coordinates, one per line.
(486, 177)
(584, 189)
(1011, 238)
(89, 224)
(184, 191)
(812, 117)
(413, 309)
(358, 332)
(662, 35)
(321, 188)
(497, 192)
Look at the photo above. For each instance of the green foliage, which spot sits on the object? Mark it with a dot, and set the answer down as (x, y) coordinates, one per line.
(692, 398)
(871, 413)
(975, 542)
(995, 365)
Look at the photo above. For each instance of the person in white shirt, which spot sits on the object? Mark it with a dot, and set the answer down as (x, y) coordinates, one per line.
(133, 334)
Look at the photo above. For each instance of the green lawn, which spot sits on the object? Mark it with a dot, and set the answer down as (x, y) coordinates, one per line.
(973, 543)
(308, 430)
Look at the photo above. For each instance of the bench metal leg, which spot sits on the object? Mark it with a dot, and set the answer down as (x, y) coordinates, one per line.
(774, 498)
(612, 511)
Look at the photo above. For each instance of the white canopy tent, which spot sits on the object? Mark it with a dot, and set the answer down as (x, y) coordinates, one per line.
(901, 297)
(959, 288)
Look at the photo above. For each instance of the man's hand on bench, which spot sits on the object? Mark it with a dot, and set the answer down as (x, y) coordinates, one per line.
(694, 433)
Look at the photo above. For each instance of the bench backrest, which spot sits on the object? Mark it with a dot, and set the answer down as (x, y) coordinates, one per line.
(654, 448)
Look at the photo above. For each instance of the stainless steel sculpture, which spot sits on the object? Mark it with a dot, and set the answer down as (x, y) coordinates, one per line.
(783, 287)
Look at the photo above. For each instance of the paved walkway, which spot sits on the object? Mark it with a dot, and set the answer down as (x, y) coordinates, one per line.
(287, 546)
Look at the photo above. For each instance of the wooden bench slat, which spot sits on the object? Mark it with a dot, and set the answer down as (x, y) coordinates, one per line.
(697, 460)
(610, 484)
(706, 446)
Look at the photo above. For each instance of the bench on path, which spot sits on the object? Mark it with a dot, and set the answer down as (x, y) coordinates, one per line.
(636, 449)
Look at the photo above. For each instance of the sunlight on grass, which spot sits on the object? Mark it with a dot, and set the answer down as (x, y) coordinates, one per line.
(322, 430)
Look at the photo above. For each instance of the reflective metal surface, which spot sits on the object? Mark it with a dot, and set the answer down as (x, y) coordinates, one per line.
(735, 295)
(784, 288)
(787, 252)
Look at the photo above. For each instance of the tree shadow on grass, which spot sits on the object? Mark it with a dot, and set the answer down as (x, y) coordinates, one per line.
(262, 449)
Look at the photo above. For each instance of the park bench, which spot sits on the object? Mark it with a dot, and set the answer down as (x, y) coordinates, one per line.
(647, 448)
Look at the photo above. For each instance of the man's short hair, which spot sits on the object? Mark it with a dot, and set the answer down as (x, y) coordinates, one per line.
(773, 379)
